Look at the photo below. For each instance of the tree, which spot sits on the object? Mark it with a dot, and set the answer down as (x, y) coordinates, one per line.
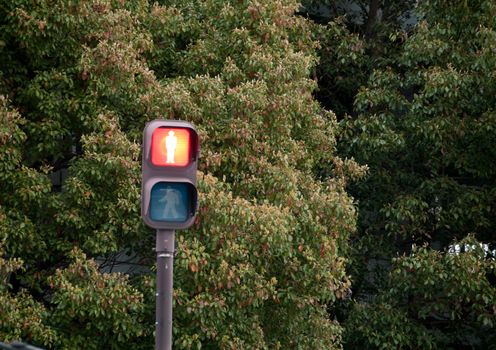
(425, 125)
(265, 257)
(356, 37)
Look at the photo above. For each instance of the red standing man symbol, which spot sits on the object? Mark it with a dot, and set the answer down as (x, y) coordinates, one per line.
(170, 146)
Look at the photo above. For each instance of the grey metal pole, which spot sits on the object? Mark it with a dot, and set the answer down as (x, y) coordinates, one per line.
(163, 307)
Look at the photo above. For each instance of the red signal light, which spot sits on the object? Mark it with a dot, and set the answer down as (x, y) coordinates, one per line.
(171, 147)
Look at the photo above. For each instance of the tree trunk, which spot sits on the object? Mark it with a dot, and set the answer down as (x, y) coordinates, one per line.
(371, 18)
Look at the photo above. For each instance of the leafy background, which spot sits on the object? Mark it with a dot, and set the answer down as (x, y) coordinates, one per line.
(346, 180)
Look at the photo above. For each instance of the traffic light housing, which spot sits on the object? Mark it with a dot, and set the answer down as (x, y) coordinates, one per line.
(169, 198)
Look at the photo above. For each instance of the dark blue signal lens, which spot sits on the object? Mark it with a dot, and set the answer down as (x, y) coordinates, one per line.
(170, 202)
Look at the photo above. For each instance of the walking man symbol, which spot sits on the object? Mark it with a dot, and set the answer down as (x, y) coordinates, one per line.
(172, 200)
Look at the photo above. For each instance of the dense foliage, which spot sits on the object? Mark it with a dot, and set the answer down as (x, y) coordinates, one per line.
(356, 37)
(267, 263)
(266, 257)
(425, 125)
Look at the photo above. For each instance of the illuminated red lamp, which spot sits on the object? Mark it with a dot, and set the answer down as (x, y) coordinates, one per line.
(171, 147)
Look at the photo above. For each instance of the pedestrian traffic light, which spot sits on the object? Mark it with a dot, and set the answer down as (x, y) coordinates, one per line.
(169, 198)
